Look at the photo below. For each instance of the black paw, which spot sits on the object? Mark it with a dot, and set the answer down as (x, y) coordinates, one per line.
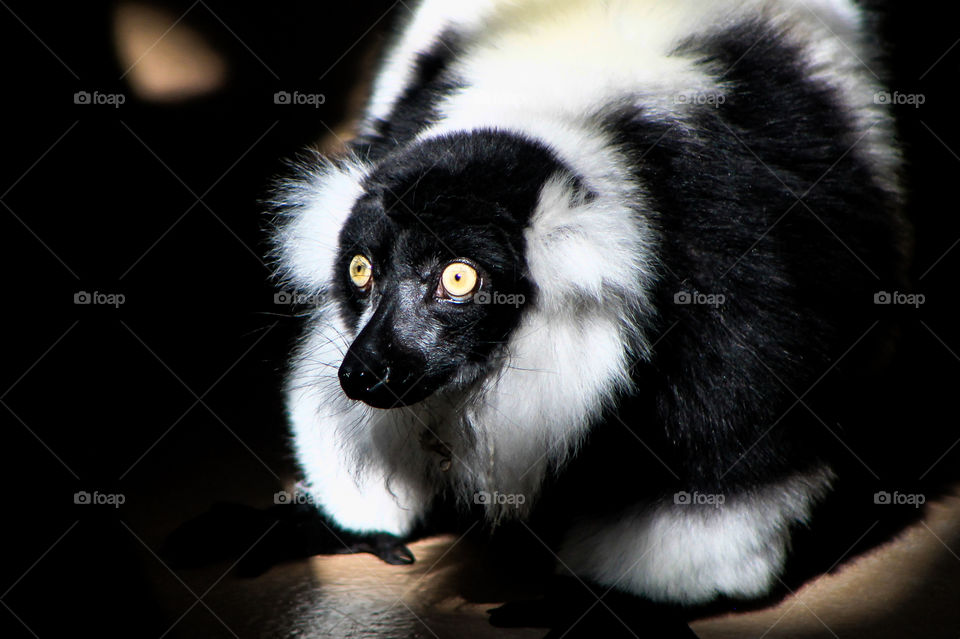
(387, 547)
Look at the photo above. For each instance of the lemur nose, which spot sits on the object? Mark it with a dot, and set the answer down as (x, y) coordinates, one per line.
(366, 381)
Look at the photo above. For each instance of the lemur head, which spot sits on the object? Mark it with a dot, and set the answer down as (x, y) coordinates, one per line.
(473, 259)
(430, 272)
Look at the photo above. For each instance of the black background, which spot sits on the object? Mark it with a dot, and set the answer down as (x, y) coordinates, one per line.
(103, 199)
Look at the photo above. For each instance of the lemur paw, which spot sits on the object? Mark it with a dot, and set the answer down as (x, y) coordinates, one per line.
(385, 546)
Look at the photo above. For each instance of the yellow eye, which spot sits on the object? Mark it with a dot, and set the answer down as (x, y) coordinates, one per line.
(459, 280)
(361, 271)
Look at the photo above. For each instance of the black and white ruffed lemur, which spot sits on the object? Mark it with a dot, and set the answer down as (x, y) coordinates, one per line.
(585, 256)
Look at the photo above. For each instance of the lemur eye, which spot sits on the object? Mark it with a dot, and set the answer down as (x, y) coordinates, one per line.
(458, 281)
(361, 271)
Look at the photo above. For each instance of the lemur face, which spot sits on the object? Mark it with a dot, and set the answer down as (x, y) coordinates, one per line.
(430, 272)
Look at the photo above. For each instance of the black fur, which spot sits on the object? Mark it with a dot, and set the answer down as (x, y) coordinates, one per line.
(798, 277)
(415, 110)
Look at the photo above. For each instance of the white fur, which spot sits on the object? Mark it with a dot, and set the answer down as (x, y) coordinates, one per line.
(541, 57)
(838, 55)
(591, 264)
(431, 18)
(348, 452)
(550, 67)
(320, 203)
(693, 553)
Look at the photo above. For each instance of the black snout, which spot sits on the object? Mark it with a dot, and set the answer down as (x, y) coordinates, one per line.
(365, 381)
(366, 377)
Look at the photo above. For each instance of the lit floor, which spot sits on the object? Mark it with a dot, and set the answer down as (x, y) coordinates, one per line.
(906, 588)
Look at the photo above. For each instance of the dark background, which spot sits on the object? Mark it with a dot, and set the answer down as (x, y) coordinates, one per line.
(173, 399)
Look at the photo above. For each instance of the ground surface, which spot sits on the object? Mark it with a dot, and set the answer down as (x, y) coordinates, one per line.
(906, 587)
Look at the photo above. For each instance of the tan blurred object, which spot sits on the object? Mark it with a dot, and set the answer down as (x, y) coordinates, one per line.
(164, 59)
(340, 133)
